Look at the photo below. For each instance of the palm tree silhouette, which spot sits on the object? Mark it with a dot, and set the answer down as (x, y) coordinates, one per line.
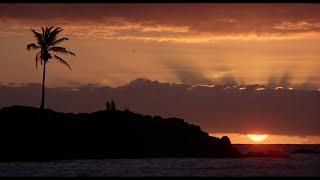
(47, 42)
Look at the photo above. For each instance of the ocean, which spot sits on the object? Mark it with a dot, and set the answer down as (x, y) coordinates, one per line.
(298, 165)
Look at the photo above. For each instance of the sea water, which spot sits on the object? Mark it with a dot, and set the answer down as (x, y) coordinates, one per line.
(297, 165)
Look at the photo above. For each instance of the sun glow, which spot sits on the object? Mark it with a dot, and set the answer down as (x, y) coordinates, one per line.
(257, 137)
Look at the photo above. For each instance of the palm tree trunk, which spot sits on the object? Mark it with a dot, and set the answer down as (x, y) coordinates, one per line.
(43, 85)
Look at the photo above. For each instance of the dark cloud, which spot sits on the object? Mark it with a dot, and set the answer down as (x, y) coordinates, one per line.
(215, 109)
(285, 80)
(191, 75)
(228, 80)
(214, 18)
(309, 83)
(188, 74)
(272, 81)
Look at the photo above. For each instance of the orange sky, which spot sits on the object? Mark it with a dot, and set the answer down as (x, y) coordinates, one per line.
(252, 43)
(272, 139)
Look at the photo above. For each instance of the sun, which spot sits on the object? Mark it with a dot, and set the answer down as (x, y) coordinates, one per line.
(258, 137)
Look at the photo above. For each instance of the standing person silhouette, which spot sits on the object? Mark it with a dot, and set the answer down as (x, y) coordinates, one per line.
(108, 107)
(113, 105)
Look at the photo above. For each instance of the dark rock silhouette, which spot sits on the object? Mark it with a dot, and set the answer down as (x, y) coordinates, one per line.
(29, 134)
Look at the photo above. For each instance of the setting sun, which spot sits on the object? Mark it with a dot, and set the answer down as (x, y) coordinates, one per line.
(258, 137)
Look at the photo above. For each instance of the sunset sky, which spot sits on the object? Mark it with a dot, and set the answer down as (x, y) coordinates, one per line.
(270, 44)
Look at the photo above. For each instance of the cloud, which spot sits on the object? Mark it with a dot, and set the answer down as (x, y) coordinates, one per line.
(212, 22)
(227, 80)
(301, 26)
(285, 81)
(309, 83)
(214, 108)
(188, 74)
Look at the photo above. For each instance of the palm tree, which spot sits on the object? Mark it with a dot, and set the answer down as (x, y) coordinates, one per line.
(47, 42)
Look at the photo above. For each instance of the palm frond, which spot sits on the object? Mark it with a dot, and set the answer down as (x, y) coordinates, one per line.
(61, 50)
(62, 61)
(56, 48)
(32, 46)
(37, 59)
(46, 42)
(45, 35)
(38, 36)
(52, 35)
(49, 29)
(57, 30)
(48, 36)
(43, 31)
(59, 41)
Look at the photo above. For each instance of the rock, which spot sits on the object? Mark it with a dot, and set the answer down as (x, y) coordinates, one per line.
(225, 140)
(27, 133)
